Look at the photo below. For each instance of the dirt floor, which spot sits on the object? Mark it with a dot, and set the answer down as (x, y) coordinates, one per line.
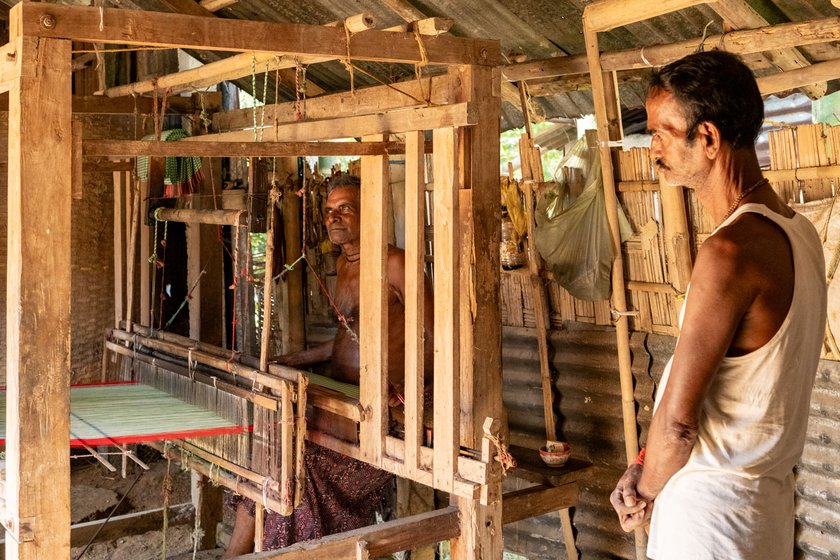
(95, 492)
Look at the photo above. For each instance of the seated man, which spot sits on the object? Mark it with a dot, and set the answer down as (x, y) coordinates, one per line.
(341, 493)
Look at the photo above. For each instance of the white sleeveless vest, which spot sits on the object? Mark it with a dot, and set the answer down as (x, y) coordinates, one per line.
(734, 499)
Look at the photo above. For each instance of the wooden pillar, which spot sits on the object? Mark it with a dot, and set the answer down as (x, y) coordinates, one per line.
(38, 301)
(480, 320)
(207, 501)
(373, 307)
(205, 254)
(295, 332)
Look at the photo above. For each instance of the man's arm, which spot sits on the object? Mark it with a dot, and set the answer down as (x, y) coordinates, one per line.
(722, 289)
(308, 357)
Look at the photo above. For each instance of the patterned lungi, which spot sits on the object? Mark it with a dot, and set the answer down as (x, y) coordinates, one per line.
(341, 494)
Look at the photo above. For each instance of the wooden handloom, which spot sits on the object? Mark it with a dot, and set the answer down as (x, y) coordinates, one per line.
(462, 114)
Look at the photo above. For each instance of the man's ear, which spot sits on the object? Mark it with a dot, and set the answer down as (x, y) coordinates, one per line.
(709, 136)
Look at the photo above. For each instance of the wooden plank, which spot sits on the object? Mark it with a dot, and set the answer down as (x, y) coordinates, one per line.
(783, 35)
(741, 15)
(404, 9)
(382, 540)
(393, 122)
(133, 27)
(373, 308)
(287, 463)
(187, 215)
(216, 5)
(362, 101)
(231, 68)
(208, 502)
(138, 523)
(603, 16)
(817, 73)
(538, 500)
(415, 276)
(447, 297)
(76, 161)
(38, 289)
(113, 148)
(120, 202)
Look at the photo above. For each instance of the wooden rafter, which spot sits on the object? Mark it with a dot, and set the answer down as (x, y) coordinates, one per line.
(112, 148)
(741, 15)
(772, 37)
(130, 27)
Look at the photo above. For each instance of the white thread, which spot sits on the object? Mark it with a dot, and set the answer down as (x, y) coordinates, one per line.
(644, 58)
(190, 364)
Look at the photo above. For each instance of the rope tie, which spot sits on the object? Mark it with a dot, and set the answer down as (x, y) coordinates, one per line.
(267, 482)
(347, 61)
(418, 67)
(644, 58)
(616, 314)
(101, 18)
(701, 46)
(503, 456)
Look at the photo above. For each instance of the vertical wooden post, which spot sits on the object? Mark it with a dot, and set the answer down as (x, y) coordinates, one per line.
(677, 240)
(609, 129)
(207, 503)
(481, 368)
(447, 310)
(120, 201)
(373, 307)
(296, 331)
(414, 297)
(38, 300)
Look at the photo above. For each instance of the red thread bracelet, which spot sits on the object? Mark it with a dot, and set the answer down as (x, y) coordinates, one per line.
(640, 460)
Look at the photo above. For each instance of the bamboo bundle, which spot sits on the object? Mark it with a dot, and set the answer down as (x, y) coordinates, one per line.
(783, 156)
(811, 151)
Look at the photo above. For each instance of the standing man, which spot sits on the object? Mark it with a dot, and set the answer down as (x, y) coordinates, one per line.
(341, 493)
(716, 479)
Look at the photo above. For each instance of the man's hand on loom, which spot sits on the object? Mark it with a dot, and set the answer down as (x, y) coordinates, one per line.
(632, 511)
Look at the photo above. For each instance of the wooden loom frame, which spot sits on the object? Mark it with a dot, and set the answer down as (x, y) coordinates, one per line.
(36, 68)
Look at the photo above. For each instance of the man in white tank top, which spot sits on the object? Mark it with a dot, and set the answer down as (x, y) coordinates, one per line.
(716, 479)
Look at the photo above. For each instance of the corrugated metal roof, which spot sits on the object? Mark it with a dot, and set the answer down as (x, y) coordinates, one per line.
(534, 29)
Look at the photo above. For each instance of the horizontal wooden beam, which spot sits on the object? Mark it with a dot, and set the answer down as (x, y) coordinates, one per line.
(115, 148)
(9, 65)
(130, 524)
(382, 540)
(578, 82)
(98, 104)
(231, 68)
(361, 102)
(750, 41)
(791, 79)
(537, 500)
(134, 27)
(740, 15)
(392, 122)
(603, 16)
(803, 173)
(191, 216)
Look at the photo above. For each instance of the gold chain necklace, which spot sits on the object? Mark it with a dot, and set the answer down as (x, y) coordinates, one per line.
(742, 196)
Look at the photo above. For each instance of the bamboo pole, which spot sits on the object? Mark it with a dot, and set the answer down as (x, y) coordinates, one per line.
(300, 438)
(803, 173)
(132, 253)
(619, 302)
(189, 216)
(783, 81)
(268, 278)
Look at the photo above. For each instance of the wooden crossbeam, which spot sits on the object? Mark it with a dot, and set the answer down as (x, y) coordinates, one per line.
(191, 216)
(99, 104)
(132, 27)
(363, 101)
(231, 68)
(113, 148)
(537, 500)
(817, 73)
(750, 41)
(741, 15)
(381, 540)
(603, 16)
(393, 122)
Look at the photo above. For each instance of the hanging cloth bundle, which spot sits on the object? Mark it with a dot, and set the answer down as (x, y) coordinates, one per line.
(575, 240)
(182, 175)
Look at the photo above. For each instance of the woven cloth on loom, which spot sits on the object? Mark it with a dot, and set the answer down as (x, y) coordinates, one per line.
(346, 389)
(132, 413)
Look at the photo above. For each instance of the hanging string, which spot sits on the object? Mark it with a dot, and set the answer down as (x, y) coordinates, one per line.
(420, 101)
(264, 100)
(342, 320)
(187, 298)
(347, 64)
(254, 91)
(167, 494)
(424, 61)
(276, 103)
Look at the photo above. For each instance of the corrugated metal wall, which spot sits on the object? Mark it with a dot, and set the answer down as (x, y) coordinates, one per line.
(587, 401)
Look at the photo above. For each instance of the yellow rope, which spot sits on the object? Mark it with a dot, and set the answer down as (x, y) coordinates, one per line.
(347, 62)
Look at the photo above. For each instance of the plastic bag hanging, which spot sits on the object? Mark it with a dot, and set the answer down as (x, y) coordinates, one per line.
(575, 241)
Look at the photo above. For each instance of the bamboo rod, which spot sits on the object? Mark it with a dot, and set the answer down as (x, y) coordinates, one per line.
(132, 252)
(619, 302)
(204, 358)
(287, 461)
(300, 439)
(783, 81)
(803, 173)
(677, 238)
(784, 35)
(189, 216)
